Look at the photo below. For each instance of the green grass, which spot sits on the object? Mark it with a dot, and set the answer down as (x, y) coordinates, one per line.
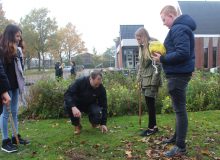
(37, 72)
(54, 139)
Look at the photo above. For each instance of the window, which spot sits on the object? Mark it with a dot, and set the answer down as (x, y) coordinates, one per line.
(214, 57)
(205, 64)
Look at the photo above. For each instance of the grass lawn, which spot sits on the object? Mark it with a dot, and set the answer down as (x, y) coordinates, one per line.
(36, 72)
(54, 140)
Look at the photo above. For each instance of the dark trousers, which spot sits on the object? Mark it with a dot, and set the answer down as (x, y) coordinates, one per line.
(177, 90)
(94, 113)
(150, 101)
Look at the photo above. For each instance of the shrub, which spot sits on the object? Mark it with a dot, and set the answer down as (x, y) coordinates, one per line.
(46, 96)
(45, 99)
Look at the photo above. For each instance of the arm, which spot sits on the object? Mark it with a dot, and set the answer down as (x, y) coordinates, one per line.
(5, 86)
(181, 42)
(70, 96)
(102, 100)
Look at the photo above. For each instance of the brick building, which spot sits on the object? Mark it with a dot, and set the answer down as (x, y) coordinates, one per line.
(207, 35)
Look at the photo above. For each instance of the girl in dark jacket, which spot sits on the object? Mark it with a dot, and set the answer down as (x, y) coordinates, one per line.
(13, 69)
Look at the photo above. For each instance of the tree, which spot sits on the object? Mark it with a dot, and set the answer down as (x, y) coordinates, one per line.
(73, 44)
(108, 57)
(3, 21)
(43, 28)
(56, 44)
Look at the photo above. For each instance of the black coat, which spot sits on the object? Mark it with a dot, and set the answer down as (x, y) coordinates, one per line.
(4, 83)
(82, 95)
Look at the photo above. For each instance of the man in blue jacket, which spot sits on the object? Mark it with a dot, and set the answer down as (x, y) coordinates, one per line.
(88, 95)
(178, 65)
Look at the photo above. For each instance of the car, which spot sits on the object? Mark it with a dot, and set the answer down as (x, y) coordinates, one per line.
(215, 69)
(67, 68)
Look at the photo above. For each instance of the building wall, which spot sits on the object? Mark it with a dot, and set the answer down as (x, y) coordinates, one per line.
(203, 44)
(199, 53)
(218, 52)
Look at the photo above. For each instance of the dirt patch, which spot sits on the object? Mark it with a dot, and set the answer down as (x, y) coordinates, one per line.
(77, 155)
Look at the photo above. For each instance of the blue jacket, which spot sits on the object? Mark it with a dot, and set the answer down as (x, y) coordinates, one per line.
(180, 44)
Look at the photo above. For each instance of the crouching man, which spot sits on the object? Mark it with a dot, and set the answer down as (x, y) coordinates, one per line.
(88, 95)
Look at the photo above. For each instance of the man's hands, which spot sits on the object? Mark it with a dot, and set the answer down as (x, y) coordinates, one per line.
(6, 99)
(76, 112)
(103, 128)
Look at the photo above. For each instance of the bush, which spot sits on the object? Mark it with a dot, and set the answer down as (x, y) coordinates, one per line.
(45, 99)
(46, 96)
(122, 94)
(203, 92)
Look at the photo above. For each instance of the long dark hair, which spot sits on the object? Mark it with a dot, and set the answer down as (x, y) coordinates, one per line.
(8, 42)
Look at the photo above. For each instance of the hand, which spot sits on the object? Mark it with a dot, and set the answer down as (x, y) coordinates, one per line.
(156, 56)
(76, 112)
(103, 128)
(6, 99)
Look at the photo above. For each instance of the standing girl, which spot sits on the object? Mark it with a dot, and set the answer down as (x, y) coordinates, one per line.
(148, 78)
(11, 57)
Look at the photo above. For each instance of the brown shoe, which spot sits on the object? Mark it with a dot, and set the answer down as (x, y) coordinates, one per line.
(95, 125)
(77, 129)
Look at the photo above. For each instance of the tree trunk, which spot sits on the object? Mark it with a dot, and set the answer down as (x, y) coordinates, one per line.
(28, 61)
(39, 68)
(43, 61)
(60, 56)
(69, 58)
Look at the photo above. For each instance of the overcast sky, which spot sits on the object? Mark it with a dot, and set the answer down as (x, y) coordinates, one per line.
(97, 20)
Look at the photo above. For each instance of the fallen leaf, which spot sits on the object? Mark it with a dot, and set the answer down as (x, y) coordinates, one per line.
(205, 152)
(128, 153)
(96, 146)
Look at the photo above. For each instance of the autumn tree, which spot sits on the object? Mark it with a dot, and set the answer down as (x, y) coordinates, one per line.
(73, 44)
(56, 44)
(3, 21)
(43, 28)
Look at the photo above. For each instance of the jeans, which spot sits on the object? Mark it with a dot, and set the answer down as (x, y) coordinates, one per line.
(94, 112)
(14, 110)
(177, 90)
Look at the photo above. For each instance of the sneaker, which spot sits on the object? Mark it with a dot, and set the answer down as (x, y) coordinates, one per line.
(171, 140)
(149, 132)
(78, 129)
(175, 151)
(8, 147)
(21, 141)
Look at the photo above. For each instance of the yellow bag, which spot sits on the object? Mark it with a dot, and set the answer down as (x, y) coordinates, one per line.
(156, 46)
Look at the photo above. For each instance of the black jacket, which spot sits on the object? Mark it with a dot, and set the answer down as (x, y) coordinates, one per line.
(9, 68)
(4, 83)
(82, 95)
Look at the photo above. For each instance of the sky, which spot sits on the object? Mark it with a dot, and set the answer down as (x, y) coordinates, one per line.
(97, 20)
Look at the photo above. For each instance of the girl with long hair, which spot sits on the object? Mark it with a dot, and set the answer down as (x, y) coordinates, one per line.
(12, 61)
(148, 78)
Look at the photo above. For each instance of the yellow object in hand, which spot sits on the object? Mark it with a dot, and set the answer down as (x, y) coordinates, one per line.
(156, 46)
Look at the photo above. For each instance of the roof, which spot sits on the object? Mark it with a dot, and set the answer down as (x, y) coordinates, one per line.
(128, 31)
(205, 13)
